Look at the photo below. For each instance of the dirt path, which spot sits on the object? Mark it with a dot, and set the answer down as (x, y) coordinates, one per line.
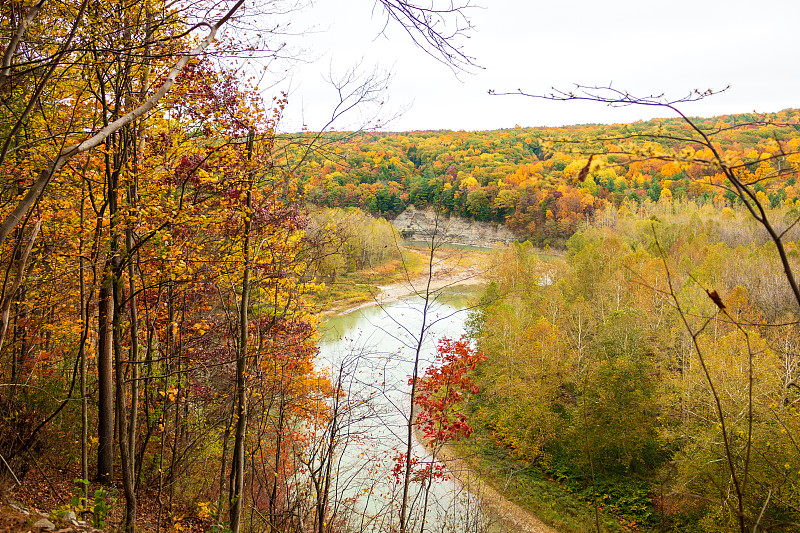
(505, 515)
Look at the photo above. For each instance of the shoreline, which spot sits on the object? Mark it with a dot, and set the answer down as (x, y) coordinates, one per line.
(497, 507)
(503, 514)
(500, 510)
(397, 291)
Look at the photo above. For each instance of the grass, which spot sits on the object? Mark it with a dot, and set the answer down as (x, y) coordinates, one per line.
(358, 287)
(550, 501)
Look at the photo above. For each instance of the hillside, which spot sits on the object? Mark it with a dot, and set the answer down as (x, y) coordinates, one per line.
(530, 178)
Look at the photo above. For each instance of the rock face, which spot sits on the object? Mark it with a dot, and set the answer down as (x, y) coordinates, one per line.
(418, 225)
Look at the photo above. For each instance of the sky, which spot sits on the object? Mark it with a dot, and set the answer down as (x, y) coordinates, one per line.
(641, 46)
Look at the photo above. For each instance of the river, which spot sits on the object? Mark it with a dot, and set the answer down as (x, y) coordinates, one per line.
(369, 353)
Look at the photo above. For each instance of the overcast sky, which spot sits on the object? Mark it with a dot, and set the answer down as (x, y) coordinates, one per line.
(641, 46)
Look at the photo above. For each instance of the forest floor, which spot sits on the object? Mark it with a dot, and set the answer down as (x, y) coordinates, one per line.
(47, 490)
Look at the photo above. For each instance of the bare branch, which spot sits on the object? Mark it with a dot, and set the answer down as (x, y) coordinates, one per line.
(434, 29)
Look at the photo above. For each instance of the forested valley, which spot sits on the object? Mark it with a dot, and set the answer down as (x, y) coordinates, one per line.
(172, 261)
(649, 372)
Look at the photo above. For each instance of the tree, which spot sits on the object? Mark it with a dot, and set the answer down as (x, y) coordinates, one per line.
(98, 109)
(702, 157)
(26, 53)
(444, 389)
(739, 180)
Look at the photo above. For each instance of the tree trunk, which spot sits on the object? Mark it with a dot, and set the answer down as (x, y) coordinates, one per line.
(224, 465)
(134, 350)
(237, 472)
(105, 401)
(404, 514)
(126, 459)
(118, 259)
(82, 355)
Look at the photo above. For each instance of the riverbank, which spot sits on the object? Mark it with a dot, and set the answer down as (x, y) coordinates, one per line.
(504, 515)
(452, 270)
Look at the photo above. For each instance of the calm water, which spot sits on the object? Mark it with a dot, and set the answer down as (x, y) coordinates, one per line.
(370, 352)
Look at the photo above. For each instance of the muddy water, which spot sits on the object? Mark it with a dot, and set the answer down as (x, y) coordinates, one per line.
(370, 352)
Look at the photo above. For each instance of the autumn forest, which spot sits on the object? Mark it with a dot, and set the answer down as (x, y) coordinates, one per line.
(172, 260)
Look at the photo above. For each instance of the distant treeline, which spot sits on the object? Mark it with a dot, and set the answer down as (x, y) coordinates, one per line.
(531, 179)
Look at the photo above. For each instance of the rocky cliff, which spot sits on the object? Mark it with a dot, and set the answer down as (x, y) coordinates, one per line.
(418, 225)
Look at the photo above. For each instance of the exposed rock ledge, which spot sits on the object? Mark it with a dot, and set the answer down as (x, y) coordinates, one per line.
(418, 225)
